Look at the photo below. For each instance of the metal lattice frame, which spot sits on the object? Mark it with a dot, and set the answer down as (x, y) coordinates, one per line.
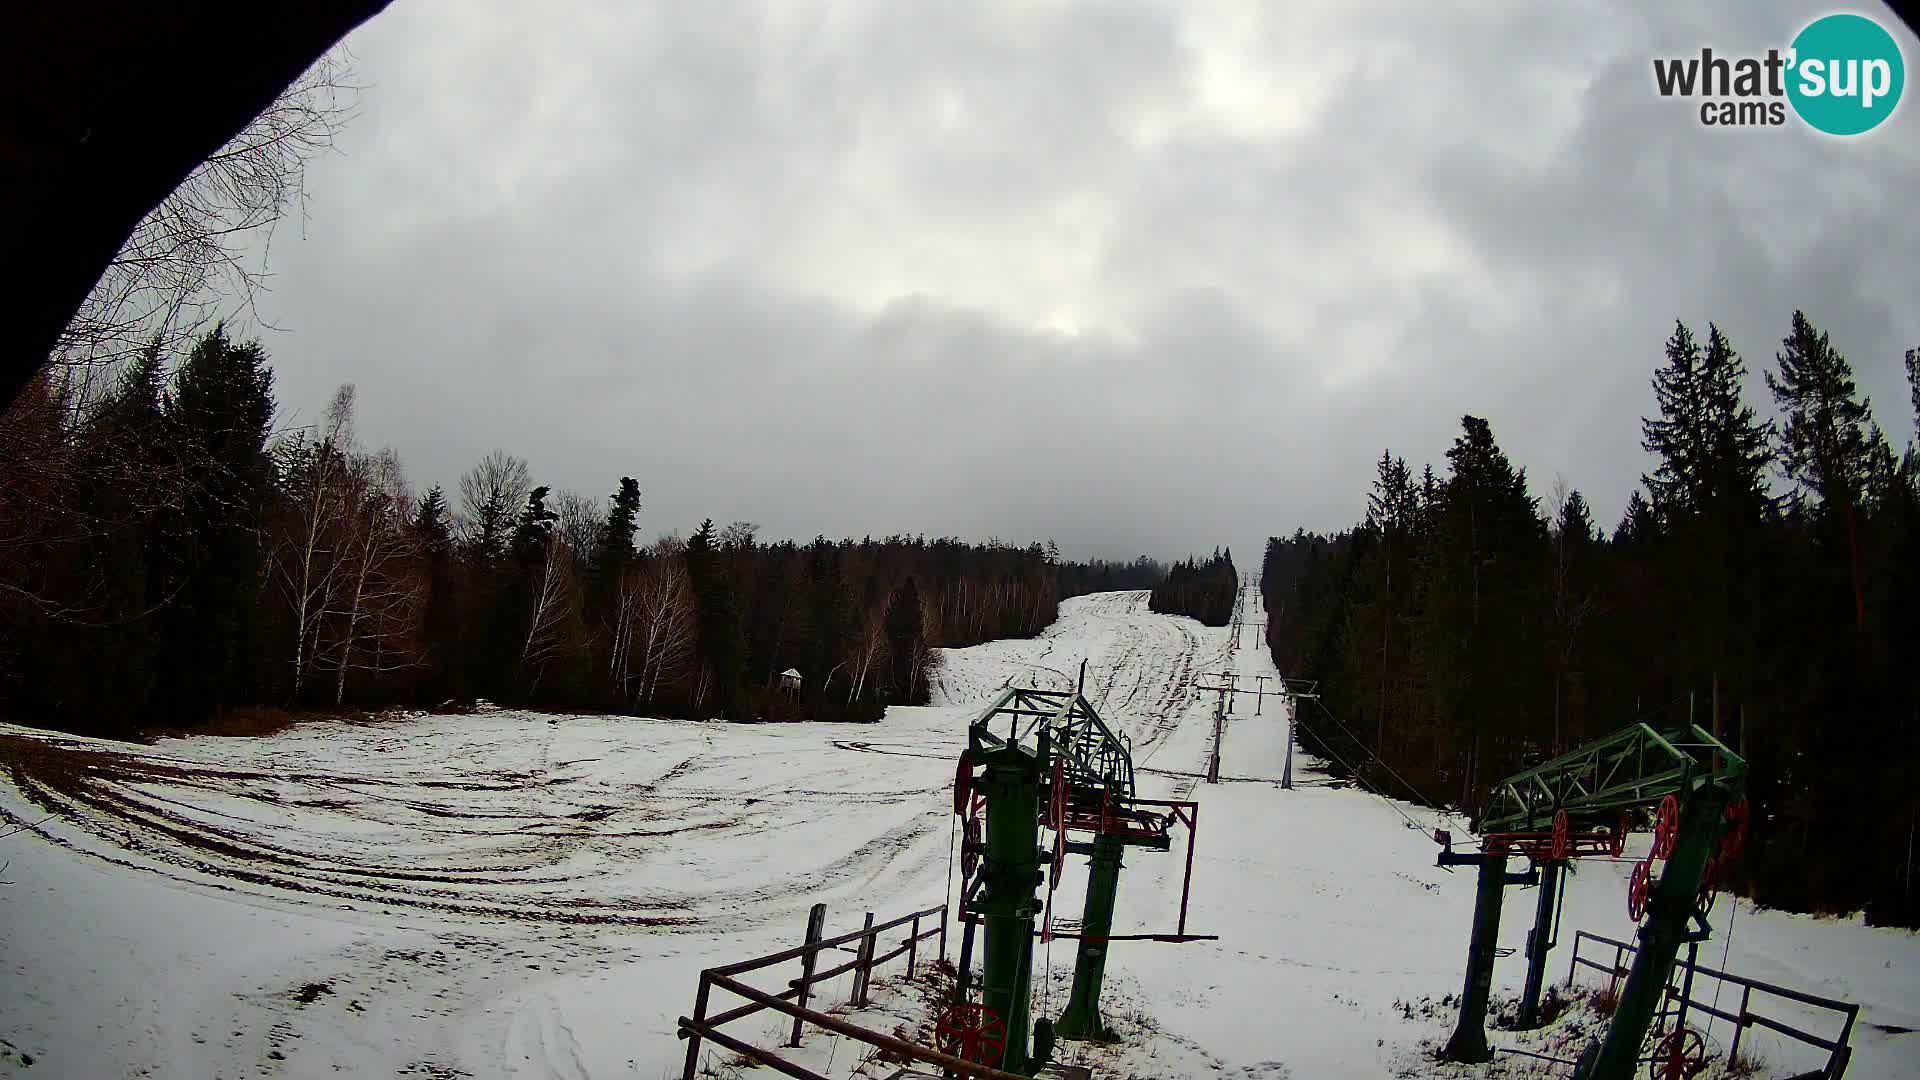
(1631, 767)
(1096, 756)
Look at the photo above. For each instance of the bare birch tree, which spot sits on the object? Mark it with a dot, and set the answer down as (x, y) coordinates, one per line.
(664, 628)
(870, 652)
(382, 592)
(582, 519)
(205, 246)
(551, 609)
(303, 563)
(926, 660)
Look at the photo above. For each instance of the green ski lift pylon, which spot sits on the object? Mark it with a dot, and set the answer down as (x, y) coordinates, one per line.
(1553, 812)
(1027, 742)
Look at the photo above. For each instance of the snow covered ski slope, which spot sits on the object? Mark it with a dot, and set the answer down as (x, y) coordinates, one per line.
(520, 895)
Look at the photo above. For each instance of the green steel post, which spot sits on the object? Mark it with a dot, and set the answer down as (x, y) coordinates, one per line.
(1538, 944)
(1668, 911)
(1012, 871)
(1081, 1020)
(1469, 1041)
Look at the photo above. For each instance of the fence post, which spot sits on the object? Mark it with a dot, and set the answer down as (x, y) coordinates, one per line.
(1740, 1025)
(816, 929)
(863, 965)
(693, 1037)
(943, 933)
(1686, 985)
(1573, 962)
(913, 946)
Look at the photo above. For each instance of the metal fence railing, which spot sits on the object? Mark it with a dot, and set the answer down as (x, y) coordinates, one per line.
(1680, 1000)
(703, 1027)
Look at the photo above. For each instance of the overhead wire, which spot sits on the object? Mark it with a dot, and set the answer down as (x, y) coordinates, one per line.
(1411, 823)
(1358, 779)
(953, 835)
(1417, 793)
(1727, 947)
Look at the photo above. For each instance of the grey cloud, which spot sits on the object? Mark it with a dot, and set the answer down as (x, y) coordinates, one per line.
(813, 268)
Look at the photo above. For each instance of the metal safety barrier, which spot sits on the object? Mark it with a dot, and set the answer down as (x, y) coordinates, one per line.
(702, 1027)
(1680, 1001)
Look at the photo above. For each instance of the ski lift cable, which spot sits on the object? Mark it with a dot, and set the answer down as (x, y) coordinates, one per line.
(1364, 786)
(1727, 947)
(953, 835)
(1403, 780)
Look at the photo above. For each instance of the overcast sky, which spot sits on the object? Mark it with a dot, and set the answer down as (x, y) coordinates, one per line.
(1140, 277)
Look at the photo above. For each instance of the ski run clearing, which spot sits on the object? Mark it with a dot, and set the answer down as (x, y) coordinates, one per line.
(509, 894)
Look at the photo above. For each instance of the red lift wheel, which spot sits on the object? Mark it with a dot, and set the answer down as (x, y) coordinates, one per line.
(972, 1032)
(1617, 844)
(1682, 1055)
(1561, 829)
(1709, 886)
(1666, 827)
(963, 783)
(1735, 841)
(1637, 889)
(970, 848)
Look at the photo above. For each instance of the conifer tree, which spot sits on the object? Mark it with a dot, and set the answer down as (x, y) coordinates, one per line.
(722, 649)
(1828, 441)
(220, 410)
(623, 522)
(1638, 525)
(1677, 438)
(440, 625)
(1710, 493)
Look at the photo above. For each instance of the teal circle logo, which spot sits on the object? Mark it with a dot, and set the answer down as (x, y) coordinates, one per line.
(1845, 74)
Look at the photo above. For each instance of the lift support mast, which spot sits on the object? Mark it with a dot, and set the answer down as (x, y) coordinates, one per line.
(1577, 805)
(1045, 759)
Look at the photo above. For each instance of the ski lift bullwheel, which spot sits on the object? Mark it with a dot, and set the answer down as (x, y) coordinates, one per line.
(963, 783)
(1734, 842)
(1638, 888)
(1562, 832)
(1666, 827)
(1682, 1055)
(972, 1032)
(971, 848)
(1709, 886)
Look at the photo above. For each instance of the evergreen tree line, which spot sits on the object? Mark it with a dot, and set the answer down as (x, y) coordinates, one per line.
(1763, 583)
(1101, 575)
(1201, 590)
(165, 557)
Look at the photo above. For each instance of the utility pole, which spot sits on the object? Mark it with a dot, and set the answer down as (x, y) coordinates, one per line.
(1228, 690)
(1221, 707)
(1293, 712)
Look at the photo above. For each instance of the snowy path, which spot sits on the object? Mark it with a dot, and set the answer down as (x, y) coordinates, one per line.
(516, 895)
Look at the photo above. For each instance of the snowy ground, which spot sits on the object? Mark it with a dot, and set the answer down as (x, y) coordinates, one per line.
(516, 895)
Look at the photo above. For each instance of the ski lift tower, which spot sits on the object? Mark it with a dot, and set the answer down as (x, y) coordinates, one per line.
(1044, 758)
(1576, 806)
